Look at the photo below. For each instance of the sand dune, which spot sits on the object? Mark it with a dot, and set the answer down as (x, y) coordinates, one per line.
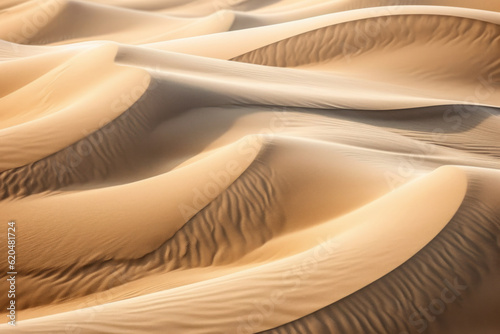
(283, 166)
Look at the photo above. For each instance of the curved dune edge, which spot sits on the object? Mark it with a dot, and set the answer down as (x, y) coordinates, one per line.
(339, 48)
(18, 23)
(435, 289)
(57, 98)
(42, 24)
(221, 233)
(62, 271)
(57, 22)
(240, 83)
(261, 281)
(216, 45)
(291, 9)
(100, 150)
(203, 250)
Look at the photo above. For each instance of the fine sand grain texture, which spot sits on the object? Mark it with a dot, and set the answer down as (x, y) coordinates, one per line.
(250, 166)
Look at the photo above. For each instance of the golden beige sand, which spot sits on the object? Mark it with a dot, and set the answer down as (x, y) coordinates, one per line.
(282, 166)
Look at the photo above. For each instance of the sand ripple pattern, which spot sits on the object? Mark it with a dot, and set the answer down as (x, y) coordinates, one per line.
(466, 251)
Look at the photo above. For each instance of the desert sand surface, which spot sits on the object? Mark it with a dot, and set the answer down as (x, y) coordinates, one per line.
(250, 166)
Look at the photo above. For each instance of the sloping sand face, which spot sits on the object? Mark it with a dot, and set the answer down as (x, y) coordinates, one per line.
(250, 166)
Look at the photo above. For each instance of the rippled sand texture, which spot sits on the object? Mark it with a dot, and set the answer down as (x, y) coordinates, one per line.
(258, 166)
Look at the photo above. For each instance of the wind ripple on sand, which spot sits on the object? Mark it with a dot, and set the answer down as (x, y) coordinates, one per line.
(464, 252)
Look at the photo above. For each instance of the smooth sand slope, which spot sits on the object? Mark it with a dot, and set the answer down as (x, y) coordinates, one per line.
(251, 166)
